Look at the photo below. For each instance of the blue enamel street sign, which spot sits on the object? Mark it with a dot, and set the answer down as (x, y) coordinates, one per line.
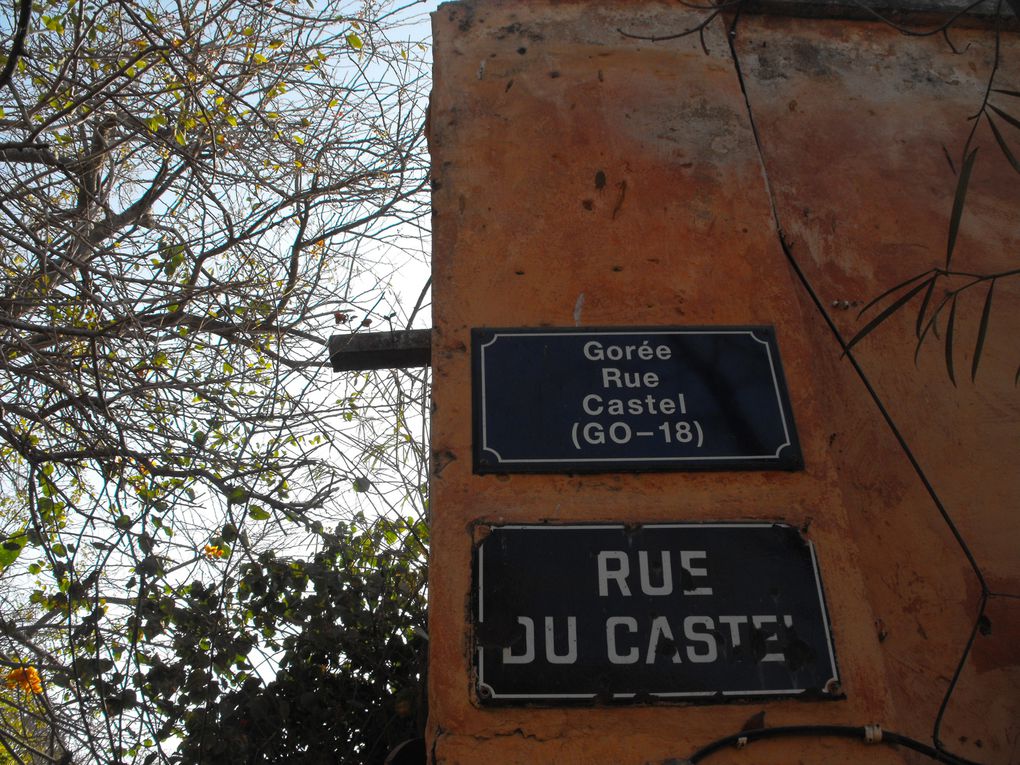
(630, 398)
(698, 613)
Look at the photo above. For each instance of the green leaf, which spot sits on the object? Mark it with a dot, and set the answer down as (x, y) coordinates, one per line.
(958, 202)
(237, 495)
(173, 257)
(275, 44)
(11, 548)
(354, 41)
(257, 513)
(54, 24)
(982, 331)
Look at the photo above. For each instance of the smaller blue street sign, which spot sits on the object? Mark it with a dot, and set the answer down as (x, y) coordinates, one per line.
(630, 398)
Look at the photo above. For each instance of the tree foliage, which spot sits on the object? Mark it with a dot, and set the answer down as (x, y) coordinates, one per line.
(199, 519)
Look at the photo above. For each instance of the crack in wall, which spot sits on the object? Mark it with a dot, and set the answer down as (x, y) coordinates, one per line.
(980, 617)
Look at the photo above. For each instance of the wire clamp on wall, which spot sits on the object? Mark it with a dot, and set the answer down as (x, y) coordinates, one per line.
(872, 734)
(741, 742)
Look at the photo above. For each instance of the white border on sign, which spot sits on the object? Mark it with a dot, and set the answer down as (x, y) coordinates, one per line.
(487, 692)
(597, 333)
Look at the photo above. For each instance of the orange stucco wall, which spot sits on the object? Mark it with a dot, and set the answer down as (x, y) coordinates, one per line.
(531, 102)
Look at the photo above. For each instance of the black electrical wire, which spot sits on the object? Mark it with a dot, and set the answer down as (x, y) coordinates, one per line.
(859, 732)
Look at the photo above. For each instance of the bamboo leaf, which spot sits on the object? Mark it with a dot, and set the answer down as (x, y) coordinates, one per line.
(1003, 145)
(1006, 116)
(917, 348)
(949, 341)
(932, 326)
(924, 307)
(885, 314)
(958, 201)
(982, 331)
(891, 290)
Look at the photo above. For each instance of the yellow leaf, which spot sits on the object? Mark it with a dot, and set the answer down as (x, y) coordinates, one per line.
(25, 678)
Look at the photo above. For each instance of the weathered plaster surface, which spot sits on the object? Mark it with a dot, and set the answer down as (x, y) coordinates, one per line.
(855, 123)
(570, 161)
